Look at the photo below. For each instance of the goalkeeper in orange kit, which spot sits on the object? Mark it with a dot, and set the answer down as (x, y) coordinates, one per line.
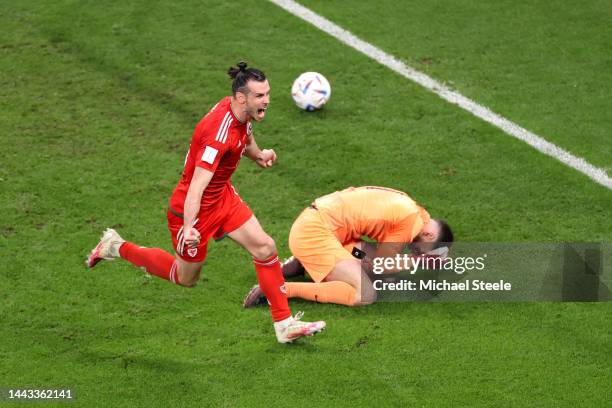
(325, 241)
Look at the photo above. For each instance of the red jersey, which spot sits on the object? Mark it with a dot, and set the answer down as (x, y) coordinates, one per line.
(217, 144)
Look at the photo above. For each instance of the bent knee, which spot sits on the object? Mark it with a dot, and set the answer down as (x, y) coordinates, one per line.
(365, 296)
(265, 249)
(188, 283)
(188, 279)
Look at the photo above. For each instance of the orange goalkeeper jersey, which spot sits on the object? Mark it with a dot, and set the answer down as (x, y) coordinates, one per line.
(381, 214)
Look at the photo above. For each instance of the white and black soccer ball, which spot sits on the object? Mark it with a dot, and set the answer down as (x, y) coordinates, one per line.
(310, 91)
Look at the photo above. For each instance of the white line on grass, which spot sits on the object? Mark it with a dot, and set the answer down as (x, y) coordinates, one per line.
(596, 174)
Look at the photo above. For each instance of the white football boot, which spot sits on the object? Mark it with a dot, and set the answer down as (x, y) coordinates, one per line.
(292, 328)
(107, 248)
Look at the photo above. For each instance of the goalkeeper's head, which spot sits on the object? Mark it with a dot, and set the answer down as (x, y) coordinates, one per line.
(435, 234)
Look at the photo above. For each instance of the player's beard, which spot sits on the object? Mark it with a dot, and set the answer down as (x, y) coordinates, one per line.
(415, 248)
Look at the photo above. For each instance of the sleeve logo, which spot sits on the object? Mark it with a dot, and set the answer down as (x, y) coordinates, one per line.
(210, 153)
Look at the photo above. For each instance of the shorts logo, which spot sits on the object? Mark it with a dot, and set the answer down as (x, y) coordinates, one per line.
(283, 290)
(192, 252)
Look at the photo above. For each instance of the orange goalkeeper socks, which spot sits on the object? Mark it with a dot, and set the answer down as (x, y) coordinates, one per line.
(325, 292)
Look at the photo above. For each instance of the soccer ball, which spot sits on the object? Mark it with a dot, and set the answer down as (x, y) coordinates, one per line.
(310, 91)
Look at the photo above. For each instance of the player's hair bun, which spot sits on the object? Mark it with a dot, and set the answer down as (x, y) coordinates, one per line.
(233, 71)
(241, 75)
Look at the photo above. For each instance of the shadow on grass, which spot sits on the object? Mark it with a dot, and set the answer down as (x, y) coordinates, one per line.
(127, 80)
(131, 360)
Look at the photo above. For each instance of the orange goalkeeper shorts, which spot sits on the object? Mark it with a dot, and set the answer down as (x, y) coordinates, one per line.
(315, 245)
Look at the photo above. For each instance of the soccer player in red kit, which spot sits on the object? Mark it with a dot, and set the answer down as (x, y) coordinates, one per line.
(206, 205)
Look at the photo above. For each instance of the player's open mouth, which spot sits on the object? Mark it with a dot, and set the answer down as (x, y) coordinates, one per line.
(261, 111)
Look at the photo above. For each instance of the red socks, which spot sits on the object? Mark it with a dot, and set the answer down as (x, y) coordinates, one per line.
(155, 261)
(160, 263)
(272, 284)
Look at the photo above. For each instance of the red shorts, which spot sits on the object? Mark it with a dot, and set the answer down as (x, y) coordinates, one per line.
(229, 215)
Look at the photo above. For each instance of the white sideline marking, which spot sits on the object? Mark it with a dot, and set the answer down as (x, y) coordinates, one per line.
(594, 173)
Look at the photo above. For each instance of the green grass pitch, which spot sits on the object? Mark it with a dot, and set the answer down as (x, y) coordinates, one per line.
(98, 102)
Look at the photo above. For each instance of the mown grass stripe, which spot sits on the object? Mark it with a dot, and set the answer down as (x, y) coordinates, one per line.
(537, 142)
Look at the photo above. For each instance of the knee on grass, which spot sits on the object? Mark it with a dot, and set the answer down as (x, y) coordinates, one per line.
(366, 295)
(188, 279)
